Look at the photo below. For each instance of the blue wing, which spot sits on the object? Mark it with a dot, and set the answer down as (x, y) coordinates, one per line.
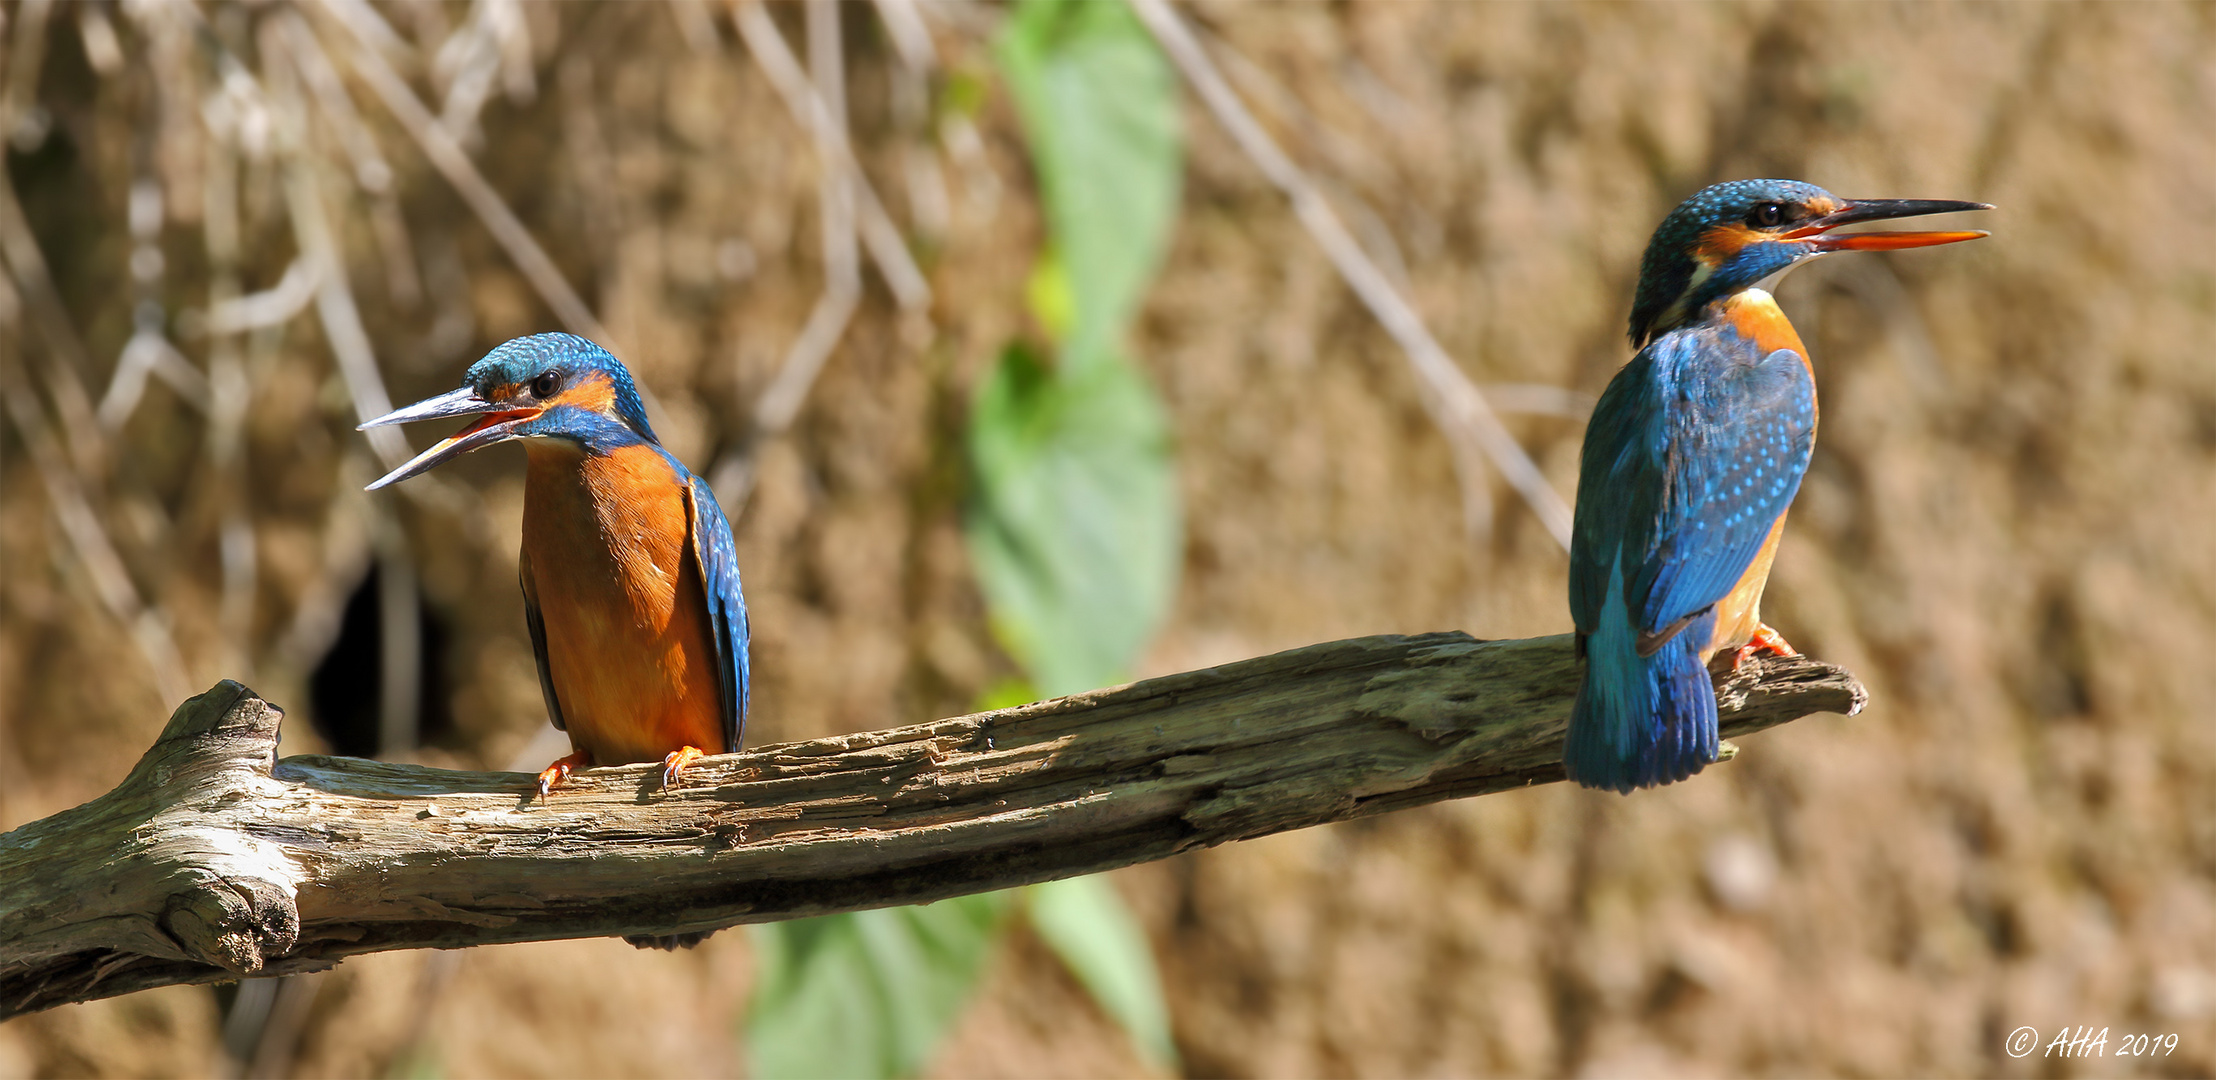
(537, 623)
(1619, 484)
(719, 578)
(1694, 450)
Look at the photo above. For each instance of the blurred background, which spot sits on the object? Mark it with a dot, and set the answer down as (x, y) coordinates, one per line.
(923, 282)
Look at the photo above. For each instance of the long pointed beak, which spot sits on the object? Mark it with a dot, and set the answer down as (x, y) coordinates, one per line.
(1885, 210)
(462, 402)
(494, 424)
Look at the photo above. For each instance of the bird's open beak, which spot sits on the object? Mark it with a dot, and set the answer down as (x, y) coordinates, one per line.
(1883, 210)
(495, 423)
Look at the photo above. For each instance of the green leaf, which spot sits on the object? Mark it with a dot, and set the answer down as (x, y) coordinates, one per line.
(1075, 531)
(1085, 921)
(1006, 694)
(866, 994)
(1047, 293)
(963, 93)
(1099, 108)
(418, 1062)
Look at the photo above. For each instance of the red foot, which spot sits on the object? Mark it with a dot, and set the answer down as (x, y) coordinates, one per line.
(1765, 640)
(673, 766)
(553, 775)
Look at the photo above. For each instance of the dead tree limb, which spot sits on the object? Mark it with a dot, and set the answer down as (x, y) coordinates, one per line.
(213, 860)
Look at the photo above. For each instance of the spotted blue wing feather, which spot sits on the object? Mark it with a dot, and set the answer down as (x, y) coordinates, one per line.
(717, 554)
(1694, 450)
(1739, 446)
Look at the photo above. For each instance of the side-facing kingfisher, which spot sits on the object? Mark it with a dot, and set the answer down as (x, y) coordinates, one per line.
(1693, 454)
(630, 579)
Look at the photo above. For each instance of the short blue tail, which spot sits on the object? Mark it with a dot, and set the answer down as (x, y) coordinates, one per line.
(1642, 720)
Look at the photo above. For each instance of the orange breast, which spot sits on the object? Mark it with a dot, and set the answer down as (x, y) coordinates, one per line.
(1755, 314)
(606, 538)
(1740, 611)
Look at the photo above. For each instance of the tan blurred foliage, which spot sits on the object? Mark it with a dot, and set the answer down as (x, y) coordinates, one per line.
(2005, 531)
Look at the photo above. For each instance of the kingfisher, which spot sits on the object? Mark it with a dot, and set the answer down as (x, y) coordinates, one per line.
(630, 577)
(1694, 453)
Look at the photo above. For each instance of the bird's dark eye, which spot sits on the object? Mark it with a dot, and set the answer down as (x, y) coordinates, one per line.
(1767, 215)
(545, 385)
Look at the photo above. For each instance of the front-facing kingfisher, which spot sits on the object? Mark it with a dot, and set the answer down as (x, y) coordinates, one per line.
(1692, 457)
(630, 578)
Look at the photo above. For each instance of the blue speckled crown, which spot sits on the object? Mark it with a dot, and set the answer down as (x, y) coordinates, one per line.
(519, 360)
(1667, 270)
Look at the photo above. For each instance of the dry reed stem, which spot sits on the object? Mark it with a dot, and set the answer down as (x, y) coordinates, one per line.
(1455, 403)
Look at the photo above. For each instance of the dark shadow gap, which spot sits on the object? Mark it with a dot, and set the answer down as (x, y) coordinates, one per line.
(345, 694)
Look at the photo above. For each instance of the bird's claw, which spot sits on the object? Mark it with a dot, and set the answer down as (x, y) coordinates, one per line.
(674, 765)
(553, 776)
(1765, 640)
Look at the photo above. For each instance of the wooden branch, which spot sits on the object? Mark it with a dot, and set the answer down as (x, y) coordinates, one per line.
(212, 860)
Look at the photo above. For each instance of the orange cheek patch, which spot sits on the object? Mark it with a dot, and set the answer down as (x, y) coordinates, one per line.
(1718, 243)
(595, 393)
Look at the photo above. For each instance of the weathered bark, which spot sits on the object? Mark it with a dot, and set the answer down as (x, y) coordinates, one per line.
(212, 860)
